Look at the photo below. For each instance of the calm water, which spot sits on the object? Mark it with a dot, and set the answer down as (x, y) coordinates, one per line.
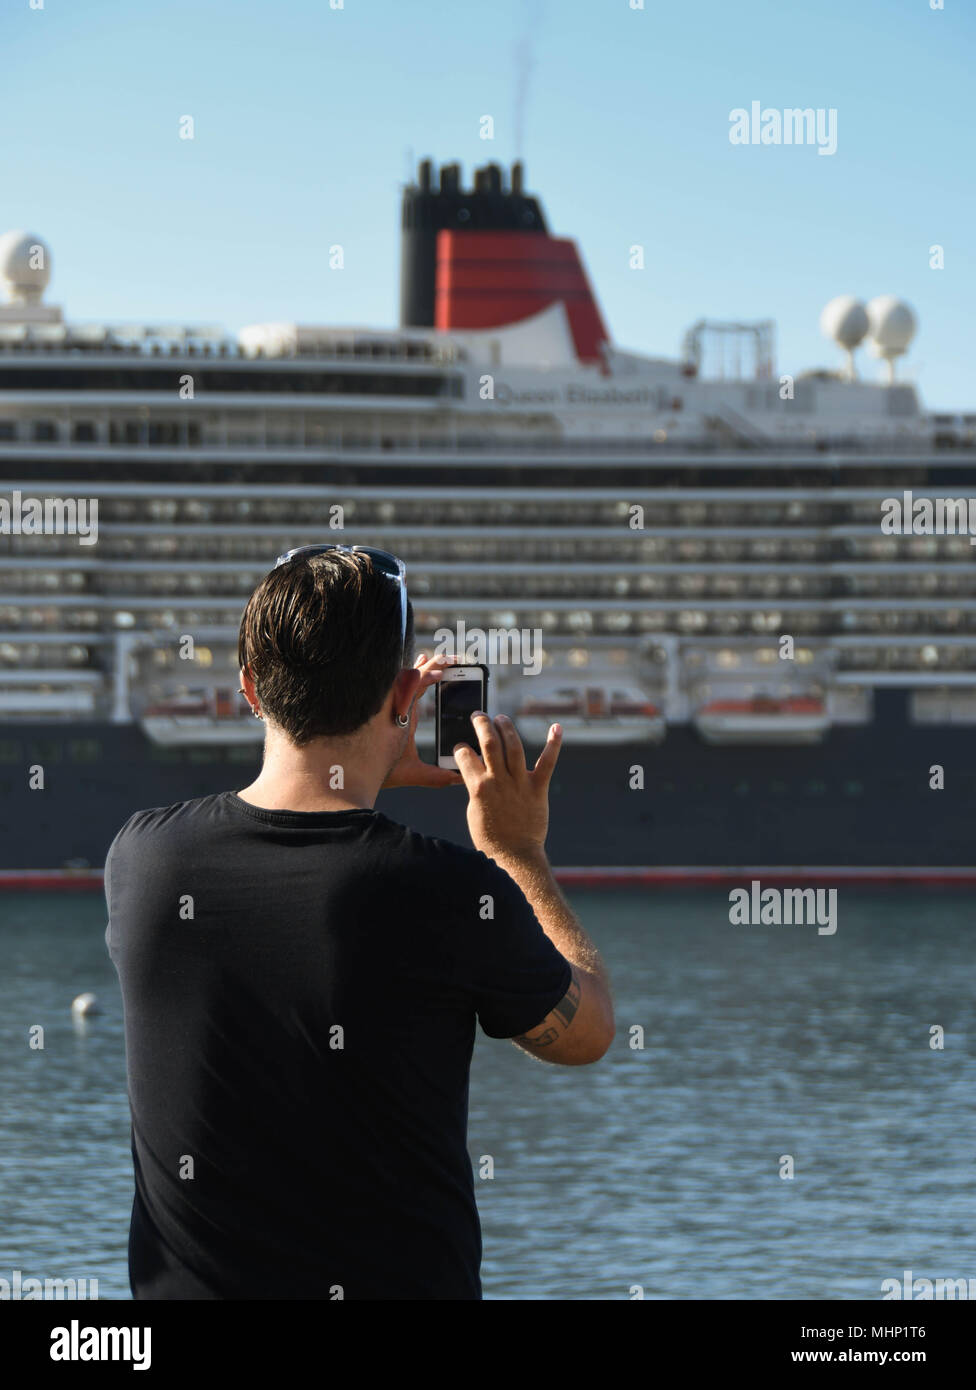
(657, 1167)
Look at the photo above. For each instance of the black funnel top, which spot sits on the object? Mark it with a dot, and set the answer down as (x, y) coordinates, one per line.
(432, 205)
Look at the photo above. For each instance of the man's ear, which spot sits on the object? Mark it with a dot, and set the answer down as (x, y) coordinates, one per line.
(405, 689)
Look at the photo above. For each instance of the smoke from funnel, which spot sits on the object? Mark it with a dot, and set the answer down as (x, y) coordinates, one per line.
(524, 56)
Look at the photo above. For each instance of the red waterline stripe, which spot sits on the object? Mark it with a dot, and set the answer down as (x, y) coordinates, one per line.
(78, 880)
(51, 880)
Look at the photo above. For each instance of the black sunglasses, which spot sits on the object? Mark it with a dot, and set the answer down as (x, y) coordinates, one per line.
(383, 561)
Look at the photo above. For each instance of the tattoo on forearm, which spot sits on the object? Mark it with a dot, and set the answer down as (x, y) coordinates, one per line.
(562, 1016)
(543, 1039)
(565, 1010)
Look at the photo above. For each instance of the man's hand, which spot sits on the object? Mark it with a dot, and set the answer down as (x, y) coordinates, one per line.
(508, 807)
(411, 770)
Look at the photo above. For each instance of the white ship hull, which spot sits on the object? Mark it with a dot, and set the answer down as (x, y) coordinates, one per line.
(599, 732)
(756, 729)
(200, 731)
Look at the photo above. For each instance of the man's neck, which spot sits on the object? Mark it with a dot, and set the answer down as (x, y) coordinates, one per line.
(329, 776)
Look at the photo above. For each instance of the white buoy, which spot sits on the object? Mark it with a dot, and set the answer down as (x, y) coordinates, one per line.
(84, 1006)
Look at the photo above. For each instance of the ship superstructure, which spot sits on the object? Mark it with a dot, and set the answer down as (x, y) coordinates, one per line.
(699, 558)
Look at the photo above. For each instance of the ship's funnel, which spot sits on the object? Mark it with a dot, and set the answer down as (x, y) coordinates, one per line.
(482, 258)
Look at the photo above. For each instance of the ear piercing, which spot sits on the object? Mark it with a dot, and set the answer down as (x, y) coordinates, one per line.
(256, 712)
(403, 720)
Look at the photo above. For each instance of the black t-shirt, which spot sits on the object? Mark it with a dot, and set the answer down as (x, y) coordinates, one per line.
(300, 993)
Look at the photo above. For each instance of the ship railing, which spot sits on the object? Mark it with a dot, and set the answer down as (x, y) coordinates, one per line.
(49, 675)
(827, 450)
(329, 347)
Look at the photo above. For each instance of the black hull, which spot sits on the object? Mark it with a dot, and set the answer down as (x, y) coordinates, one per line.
(859, 799)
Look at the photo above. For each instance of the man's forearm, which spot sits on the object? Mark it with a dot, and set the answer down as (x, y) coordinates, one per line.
(534, 876)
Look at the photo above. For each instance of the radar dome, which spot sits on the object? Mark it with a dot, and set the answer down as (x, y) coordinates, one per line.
(844, 319)
(892, 324)
(25, 266)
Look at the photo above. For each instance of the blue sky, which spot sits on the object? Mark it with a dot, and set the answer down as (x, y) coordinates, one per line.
(306, 118)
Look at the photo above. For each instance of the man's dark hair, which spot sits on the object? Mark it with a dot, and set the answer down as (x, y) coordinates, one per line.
(320, 637)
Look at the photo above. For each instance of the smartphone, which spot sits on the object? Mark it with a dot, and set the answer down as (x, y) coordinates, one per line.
(460, 691)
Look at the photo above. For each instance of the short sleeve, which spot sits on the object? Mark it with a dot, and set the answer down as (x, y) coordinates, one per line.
(515, 974)
(107, 885)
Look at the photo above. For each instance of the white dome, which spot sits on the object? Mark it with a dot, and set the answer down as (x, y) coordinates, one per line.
(25, 266)
(892, 324)
(845, 320)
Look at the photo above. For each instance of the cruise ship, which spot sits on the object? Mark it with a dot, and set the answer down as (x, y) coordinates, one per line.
(685, 561)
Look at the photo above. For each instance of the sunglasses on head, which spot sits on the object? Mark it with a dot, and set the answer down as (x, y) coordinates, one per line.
(382, 561)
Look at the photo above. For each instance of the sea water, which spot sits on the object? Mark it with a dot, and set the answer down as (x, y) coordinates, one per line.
(783, 1114)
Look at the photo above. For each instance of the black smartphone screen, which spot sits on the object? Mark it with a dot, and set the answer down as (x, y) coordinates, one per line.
(458, 701)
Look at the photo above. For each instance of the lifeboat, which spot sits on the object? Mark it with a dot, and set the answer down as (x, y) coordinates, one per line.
(591, 713)
(763, 719)
(201, 718)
